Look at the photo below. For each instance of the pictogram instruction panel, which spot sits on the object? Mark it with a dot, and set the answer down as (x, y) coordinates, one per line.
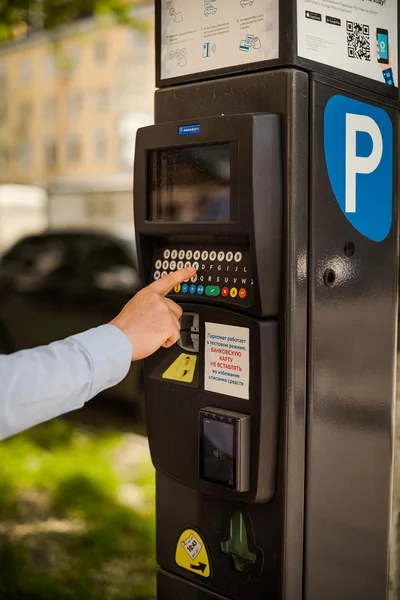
(203, 35)
(359, 37)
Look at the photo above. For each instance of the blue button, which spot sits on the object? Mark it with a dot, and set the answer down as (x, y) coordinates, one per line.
(185, 288)
(200, 289)
(192, 289)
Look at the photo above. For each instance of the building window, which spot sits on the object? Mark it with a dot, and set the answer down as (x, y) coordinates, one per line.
(3, 113)
(25, 115)
(25, 70)
(75, 101)
(49, 66)
(100, 145)
(127, 128)
(50, 154)
(137, 41)
(100, 52)
(3, 160)
(73, 58)
(49, 109)
(73, 148)
(24, 154)
(102, 99)
(3, 81)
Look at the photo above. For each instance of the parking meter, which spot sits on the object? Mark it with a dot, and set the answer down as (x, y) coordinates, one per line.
(209, 186)
(269, 422)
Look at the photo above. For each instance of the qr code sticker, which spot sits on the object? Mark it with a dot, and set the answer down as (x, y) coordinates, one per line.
(358, 41)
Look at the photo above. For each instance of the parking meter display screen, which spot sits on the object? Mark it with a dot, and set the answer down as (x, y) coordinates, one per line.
(190, 185)
(217, 452)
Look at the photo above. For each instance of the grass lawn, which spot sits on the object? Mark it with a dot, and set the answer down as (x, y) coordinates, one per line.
(76, 515)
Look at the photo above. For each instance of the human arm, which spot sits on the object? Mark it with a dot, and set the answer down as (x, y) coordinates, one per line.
(37, 385)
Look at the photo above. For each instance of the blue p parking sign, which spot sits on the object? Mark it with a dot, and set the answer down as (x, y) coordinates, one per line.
(358, 142)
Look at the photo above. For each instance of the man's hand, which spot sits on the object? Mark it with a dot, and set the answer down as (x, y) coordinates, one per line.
(150, 320)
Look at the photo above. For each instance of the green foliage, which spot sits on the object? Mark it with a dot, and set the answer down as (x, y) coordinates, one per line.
(105, 549)
(52, 14)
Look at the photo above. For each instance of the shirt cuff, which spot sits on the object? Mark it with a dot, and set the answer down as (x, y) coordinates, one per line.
(110, 353)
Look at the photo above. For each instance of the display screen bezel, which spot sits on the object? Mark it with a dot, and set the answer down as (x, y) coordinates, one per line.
(234, 423)
(233, 152)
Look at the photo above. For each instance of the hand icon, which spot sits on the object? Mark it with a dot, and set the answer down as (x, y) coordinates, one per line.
(178, 18)
(256, 43)
(181, 56)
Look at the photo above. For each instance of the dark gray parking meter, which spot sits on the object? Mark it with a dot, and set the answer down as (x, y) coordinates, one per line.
(272, 168)
(208, 187)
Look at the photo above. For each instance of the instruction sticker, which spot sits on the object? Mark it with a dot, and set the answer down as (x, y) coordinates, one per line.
(227, 360)
(182, 369)
(191, 554)
(203, 35)
(359, 36)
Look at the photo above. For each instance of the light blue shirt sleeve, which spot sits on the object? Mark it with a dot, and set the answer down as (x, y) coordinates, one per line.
(37, 385)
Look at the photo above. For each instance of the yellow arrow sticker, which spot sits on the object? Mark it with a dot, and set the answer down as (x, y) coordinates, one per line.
(191, 554)
(182, 369)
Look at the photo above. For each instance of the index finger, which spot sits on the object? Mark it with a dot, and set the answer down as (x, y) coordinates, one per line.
(164, 285)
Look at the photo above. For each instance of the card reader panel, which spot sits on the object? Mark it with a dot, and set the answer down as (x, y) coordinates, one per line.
(225, 448)
(174, 404)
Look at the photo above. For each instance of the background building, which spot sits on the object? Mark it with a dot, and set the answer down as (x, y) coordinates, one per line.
(70, 104)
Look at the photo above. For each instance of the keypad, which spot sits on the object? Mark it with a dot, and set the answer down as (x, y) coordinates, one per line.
(223, 274)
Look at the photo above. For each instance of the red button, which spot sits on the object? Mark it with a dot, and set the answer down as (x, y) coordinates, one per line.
(242, 293)
(225, 292)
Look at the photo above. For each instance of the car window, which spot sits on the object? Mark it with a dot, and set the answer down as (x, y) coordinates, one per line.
(108, 267)
(105, 256)
(39, 262)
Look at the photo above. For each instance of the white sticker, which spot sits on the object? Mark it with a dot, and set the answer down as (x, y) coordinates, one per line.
(359, 37)
(227, 360)
(192, 546)
(202, 35)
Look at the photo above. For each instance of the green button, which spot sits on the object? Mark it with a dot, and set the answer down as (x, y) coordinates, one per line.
(213, 290)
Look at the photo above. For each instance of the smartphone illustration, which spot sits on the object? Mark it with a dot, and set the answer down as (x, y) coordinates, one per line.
(382, 36)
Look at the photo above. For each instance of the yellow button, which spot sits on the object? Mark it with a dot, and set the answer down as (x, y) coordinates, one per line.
(233, 292)
(177, 288)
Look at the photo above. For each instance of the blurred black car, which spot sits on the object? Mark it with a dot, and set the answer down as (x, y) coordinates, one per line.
(60, 283)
